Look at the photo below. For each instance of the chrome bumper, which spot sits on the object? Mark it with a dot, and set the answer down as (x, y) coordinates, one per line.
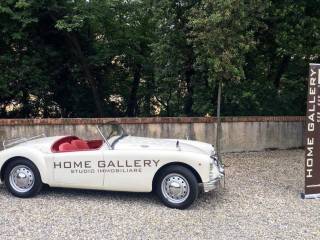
(211, 185)
(215, 182)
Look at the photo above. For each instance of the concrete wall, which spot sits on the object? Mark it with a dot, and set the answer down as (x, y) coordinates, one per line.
(238, 133)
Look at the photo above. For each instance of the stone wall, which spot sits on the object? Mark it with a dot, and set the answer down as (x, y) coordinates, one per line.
(238, 133)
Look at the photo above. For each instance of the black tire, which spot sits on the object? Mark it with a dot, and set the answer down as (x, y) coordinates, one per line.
(191, 181)
(37, 183)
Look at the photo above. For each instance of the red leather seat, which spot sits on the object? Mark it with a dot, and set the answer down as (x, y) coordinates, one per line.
(64, 147)
(80, 144)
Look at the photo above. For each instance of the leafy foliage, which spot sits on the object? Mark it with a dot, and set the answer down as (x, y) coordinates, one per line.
(90, 58)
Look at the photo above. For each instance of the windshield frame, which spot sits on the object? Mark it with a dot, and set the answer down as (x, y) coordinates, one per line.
(106, 138)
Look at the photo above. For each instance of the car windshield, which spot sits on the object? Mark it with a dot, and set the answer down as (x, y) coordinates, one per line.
(111, 132)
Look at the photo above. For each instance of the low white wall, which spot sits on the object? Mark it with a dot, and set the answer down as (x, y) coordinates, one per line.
(238, 134)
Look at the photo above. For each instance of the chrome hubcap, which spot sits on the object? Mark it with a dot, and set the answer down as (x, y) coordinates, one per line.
(21, 178)
(175, 188)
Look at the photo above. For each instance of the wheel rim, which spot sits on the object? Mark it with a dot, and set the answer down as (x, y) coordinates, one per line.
(175, 188)
(21, 178)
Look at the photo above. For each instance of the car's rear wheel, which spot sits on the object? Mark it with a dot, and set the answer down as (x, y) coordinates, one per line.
(177, 187)
(22, 178)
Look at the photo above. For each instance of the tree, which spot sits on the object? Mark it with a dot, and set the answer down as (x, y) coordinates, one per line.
(223, 34)
(149, 58)
(174, 58)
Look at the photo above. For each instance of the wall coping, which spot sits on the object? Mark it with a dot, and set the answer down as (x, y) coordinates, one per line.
(147, 120)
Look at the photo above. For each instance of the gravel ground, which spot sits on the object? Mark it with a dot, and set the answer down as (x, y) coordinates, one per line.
(261, 201)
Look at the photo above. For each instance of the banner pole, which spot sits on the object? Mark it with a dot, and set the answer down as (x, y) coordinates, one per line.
(218, 128)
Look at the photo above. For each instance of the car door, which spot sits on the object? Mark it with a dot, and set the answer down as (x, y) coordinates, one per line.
(128, 170)
(78, 169)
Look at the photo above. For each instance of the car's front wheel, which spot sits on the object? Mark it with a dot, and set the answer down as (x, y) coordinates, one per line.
(22, 178)
(177, 187)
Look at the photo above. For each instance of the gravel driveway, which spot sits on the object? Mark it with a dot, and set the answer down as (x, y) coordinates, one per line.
(261, 201)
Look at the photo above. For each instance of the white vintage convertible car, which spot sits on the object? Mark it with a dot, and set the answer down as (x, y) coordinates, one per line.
(175, 169)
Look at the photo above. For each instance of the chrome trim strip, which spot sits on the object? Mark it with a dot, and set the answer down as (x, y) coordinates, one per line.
(15, 141)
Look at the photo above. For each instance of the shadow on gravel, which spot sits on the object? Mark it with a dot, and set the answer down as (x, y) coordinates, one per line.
(204, 199)
(70, 193)
(86, 193)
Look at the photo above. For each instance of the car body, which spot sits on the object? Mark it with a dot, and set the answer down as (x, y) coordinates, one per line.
(116, 162)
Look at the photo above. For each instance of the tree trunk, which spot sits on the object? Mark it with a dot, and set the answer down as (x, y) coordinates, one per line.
(26, 108)
(189, 72)
(148, 95)
(189, 98)
(280, 71)
(214, 96)
(132, 102)
(76, 48)
(86, 70)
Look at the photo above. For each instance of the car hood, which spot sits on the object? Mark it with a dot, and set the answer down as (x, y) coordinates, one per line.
(131, 142)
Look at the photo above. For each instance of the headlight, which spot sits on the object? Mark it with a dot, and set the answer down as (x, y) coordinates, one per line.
(218, 163)
(213, 152)
(215, 159)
